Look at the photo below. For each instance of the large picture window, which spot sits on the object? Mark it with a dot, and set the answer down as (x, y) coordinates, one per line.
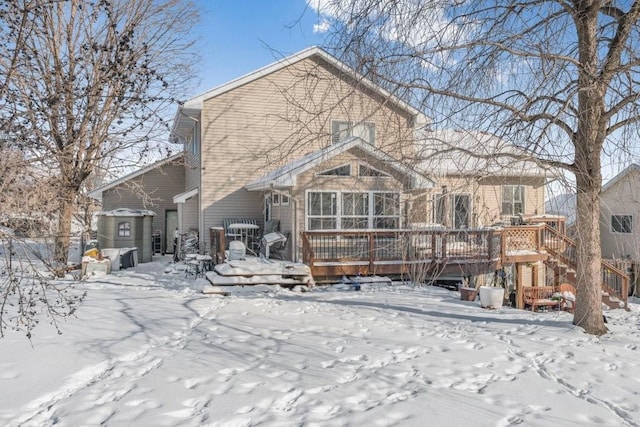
(512, 199)
(622, 224)
(337, 210)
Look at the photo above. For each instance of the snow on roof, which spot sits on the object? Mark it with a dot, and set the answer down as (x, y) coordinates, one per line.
(632, 167)
(127, 212)
(285, 176)
(472, 152)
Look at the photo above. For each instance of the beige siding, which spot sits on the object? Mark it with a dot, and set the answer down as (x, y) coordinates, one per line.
(190, 214)
(310, 180)
(486, 196)
(254, 128)
(193, 159)
(153, 190)
(623, 198)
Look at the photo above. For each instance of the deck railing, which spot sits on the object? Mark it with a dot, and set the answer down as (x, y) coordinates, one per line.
(521, 239)
(401, 245)
(371, 248)
(614, 281)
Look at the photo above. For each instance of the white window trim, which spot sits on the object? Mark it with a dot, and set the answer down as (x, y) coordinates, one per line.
(620, 232)
(126, 227)
(323, 172)
(338, 216)
(524, 198)
(279, 199)
(351, 125)
(383, 174)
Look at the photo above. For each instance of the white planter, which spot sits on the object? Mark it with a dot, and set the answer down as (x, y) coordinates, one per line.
(491, 297)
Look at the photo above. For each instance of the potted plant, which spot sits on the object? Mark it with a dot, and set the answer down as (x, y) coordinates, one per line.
(492, 296)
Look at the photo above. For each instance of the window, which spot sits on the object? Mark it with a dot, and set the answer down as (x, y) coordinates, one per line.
(439, 211)
(278, 199)
(369, 171)
(341, 129)
(355, 210)
(344, 170)
(512, 199)
(124, 229)
(322, 211)
(386, 210)
(335, 210)
(621, 223)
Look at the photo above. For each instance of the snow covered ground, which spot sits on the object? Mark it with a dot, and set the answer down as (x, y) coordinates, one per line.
(148, 349)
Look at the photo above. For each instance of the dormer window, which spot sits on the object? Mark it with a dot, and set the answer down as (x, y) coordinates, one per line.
(344, 170)
(342, 129)
(369, 171)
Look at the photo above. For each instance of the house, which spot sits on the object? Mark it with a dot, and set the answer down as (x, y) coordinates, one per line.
(309, 142)
(619, 208)
(356, 178)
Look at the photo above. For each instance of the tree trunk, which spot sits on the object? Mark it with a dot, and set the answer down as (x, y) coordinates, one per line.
(589, 140)
(63, 233)
(588, 314)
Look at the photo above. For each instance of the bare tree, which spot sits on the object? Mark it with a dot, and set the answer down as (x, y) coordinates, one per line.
(558, 77)
(84, 82)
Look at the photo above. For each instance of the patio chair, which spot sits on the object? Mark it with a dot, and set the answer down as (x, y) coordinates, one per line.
(270, 226)
(277, 250)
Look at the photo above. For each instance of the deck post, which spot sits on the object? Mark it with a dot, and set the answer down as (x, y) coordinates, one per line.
(216, 239)
(519, 286)
(433, 245)
(372, 251)
(489, 245)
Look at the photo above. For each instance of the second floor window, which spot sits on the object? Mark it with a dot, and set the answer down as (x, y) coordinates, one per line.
(341, 129)
(622, 224)
(512, 199)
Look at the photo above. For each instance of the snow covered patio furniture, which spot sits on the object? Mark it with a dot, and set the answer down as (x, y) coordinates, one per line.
(541, 296)
(568, 292)
(244, 229)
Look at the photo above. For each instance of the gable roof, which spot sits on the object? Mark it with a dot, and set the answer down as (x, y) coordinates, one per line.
(463, 152)
(613, 181)
(96, 193)
(192, 107)
(285, 176)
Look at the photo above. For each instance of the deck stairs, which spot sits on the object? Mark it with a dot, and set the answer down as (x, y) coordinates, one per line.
(615, 283)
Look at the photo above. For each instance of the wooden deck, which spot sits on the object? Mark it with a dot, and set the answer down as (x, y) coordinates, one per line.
(332, 253)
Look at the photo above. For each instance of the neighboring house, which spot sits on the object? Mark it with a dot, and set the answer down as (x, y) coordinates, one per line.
(309, 142)
(152, 187)
(619, 215)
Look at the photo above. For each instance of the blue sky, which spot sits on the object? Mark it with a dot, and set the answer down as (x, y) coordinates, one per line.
(237, 37)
